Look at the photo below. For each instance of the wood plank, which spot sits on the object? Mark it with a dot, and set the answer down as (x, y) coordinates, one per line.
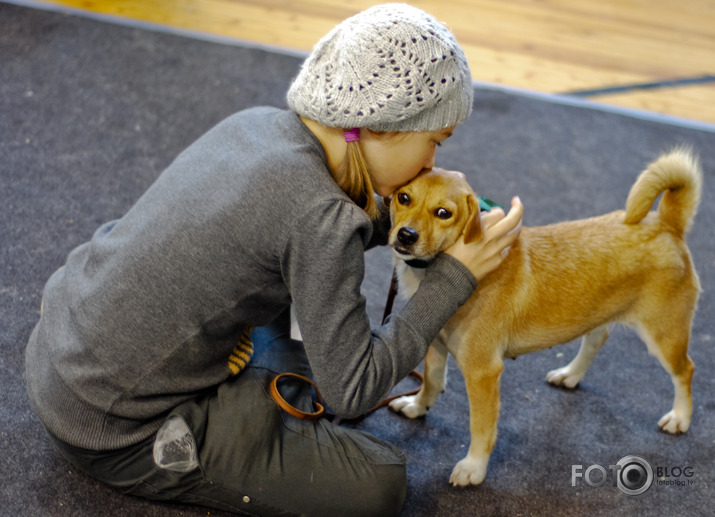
(689, 102)
(544, 45)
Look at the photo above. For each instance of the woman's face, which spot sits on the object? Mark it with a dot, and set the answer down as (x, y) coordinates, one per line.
(395, 159)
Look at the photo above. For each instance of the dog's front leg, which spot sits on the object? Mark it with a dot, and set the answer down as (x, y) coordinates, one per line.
(435, 378)
(483, 382)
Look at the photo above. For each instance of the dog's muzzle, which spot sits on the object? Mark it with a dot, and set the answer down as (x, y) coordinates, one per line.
(406, 237)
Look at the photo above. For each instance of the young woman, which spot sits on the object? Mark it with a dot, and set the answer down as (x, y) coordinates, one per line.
(158, 340)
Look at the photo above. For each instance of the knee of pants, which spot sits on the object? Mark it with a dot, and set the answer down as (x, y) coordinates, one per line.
(384, 495)
(376, 484)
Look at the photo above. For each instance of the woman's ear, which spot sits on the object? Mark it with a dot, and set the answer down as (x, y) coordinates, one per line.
(473, 227)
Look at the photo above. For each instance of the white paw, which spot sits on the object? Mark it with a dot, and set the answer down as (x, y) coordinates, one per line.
(564, 377)
(409, 407)
(469, 471)
(674, 424)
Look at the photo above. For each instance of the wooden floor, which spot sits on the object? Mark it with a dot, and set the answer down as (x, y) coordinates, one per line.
(652, 55)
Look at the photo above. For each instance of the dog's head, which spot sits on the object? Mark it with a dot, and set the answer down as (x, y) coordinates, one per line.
(430, 213)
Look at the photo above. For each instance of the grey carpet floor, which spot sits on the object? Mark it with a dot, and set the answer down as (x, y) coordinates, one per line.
(91, 113)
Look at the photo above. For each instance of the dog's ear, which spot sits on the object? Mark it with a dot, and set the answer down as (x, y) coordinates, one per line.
(473, 227)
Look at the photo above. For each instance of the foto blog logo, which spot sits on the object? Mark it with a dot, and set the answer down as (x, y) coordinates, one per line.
(632, 475)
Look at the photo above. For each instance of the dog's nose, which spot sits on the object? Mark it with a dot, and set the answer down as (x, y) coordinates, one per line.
(407, 236)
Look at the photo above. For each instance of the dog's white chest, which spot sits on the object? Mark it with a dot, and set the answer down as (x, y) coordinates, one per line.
(409, 279)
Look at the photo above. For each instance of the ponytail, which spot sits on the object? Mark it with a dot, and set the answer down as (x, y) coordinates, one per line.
(353, 178)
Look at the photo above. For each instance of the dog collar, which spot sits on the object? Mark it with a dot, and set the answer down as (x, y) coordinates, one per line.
(418, 263)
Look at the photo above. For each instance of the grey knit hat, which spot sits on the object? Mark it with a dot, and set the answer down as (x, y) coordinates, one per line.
(392, 67)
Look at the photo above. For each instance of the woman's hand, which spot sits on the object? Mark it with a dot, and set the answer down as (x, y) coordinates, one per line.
(499, 231)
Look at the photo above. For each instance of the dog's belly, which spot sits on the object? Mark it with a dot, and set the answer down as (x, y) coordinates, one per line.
(533, 340)
(485, 334)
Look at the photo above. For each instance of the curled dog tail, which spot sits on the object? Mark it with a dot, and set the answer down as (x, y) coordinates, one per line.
(677, 174)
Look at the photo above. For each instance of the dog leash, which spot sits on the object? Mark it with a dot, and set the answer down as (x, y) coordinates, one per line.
(319, 405)
(391, 294)
(292, 410)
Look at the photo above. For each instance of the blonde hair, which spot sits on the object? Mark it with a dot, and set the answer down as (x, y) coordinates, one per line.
(354, 179)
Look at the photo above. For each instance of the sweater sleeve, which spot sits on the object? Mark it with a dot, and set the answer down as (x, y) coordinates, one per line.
(323, 265)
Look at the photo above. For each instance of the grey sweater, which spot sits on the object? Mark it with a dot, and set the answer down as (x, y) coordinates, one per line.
(245, 222)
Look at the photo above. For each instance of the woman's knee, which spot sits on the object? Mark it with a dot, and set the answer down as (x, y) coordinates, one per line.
(384, 494)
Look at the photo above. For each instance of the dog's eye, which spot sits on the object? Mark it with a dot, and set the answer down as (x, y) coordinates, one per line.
(443, 213)
(403, 199)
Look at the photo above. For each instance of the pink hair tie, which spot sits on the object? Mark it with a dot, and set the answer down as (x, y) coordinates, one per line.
(352, 135)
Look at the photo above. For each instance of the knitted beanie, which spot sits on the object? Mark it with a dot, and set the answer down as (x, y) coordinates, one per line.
(392, 67)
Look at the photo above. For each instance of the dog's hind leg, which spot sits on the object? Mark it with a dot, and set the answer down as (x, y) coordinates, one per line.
(435, 378)
(570, 375)
(670, 347)
(483, 383)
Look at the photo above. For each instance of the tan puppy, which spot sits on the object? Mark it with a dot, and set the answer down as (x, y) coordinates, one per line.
(558, 282)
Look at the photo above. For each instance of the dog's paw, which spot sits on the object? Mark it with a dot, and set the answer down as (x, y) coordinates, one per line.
(409, 407)
(674, 424)
(469, 471)
(564, 377)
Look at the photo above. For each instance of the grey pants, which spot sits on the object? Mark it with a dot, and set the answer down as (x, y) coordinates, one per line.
(233, 449)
